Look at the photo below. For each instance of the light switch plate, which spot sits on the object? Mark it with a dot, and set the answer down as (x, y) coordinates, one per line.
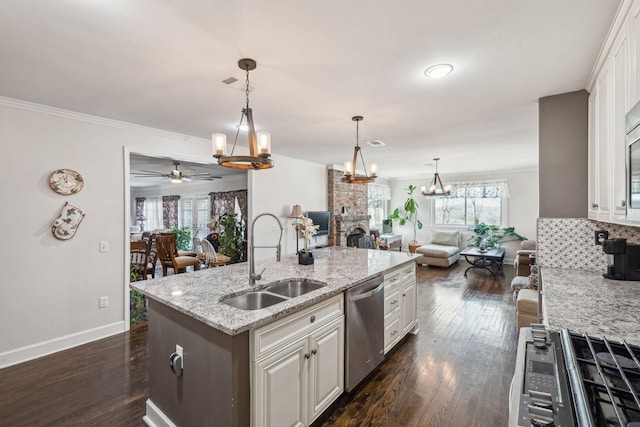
(104, 246)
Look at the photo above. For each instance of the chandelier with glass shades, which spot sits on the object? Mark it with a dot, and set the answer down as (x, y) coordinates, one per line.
(350, 175)
(436, 188)
(259, 144)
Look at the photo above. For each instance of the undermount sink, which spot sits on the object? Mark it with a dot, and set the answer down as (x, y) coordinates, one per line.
(253, 300)
(294, 288)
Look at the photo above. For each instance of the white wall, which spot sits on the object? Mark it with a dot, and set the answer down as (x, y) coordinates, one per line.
(276, 191)
(51, 288)
(522, 208)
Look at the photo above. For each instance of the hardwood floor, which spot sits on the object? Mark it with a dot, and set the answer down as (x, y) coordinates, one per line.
(455, 372)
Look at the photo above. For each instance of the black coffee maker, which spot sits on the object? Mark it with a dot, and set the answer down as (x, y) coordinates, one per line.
(623, 260)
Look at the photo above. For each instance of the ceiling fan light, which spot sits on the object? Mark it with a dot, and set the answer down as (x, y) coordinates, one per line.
(175, 176)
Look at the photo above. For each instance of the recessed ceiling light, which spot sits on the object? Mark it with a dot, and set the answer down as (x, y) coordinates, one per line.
(437, 71)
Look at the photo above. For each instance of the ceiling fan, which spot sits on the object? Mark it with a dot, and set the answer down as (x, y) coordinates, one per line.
(176, 175)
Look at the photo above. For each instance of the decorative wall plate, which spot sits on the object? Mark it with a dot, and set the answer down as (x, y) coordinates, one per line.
(66, 181)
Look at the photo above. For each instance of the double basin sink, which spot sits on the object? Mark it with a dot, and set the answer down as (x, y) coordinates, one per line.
(274, 294)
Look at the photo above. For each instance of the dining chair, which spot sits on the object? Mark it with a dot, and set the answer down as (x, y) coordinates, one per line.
(197, 246)
(178, 252)
(168, 259)
(139, 259)
(153, 256)
(210, 257)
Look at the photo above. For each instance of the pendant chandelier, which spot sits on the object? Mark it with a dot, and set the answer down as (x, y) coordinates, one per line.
(259, 144)
(436, 188)
(350, 167)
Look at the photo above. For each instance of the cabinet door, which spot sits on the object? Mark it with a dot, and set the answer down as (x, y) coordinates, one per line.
(280, 387)
(634, 41)
(602, 143)
(621, 103)
(593, 153)
(326, 368)
(409, 311)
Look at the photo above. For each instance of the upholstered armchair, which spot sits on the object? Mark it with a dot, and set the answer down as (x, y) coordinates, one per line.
(525, 257)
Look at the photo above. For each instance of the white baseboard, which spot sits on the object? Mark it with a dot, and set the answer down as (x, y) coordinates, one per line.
(155, 417)
(34, 351)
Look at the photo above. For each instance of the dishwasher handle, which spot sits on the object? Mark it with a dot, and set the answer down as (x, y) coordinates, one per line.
(367, 294)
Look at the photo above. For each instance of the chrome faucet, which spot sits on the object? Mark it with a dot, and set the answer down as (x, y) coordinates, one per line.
(252, 261)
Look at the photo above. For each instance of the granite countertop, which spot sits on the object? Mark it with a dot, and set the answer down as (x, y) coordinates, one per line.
(198, 294)
(584, 301)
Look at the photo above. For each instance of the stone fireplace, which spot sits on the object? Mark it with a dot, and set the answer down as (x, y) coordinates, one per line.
(348, 207)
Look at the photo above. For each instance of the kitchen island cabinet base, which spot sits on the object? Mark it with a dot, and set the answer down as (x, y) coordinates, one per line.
(214, 386)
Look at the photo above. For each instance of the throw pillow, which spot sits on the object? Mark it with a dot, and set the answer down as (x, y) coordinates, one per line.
(446, 238)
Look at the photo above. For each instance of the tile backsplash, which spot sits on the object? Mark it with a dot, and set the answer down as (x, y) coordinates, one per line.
(570, 242)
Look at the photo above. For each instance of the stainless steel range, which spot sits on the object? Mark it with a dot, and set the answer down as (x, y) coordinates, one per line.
(570, 379)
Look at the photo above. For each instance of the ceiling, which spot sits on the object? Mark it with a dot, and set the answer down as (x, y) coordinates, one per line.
(161, 64)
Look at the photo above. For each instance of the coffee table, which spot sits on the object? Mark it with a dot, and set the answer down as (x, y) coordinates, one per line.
(489, 259)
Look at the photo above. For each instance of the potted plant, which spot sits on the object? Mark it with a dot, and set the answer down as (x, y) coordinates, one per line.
(232, 237)
(137, 304)
(308, 229)
(409, 214)
(488, 236)
(183, 237)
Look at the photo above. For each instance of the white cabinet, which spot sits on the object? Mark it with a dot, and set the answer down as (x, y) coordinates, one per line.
(298, 365)
(621, 103)
(400, 304)
(611, 97)
(409, 306)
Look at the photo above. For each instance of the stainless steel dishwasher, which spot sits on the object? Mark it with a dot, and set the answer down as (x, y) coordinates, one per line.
(365, 330)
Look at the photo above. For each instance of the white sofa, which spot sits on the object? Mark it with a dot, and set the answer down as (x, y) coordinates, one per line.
(442, 248)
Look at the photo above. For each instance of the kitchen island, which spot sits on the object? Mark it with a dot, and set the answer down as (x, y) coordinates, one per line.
(186, 315)
(584, 301)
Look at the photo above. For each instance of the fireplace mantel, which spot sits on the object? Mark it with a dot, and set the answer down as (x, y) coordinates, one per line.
(347, 218)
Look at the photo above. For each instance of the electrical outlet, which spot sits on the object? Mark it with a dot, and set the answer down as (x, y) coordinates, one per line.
(104, 302)
(104, 246)
(601, 236)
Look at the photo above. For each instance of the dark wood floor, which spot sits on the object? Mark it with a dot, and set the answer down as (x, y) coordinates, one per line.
(455, 372)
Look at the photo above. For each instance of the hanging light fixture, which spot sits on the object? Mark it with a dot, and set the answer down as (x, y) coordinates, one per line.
(350, 167)
(436, 188)
(176, 176)
(259, 144)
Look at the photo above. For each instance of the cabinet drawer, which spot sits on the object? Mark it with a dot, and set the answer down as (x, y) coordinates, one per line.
(392, 334)
(400, 274)
(391, 301)
(279, 333)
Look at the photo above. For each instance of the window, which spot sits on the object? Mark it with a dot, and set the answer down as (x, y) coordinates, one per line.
(378, 204)
(194, 214)
(472, 203)
(153, 212)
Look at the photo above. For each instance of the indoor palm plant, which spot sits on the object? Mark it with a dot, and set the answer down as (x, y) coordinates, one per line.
(409, 214)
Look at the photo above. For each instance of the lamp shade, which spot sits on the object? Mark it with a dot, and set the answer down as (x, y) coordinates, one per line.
(296, 211)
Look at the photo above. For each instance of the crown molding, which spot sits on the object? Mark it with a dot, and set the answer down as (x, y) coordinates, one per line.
(102, 121)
